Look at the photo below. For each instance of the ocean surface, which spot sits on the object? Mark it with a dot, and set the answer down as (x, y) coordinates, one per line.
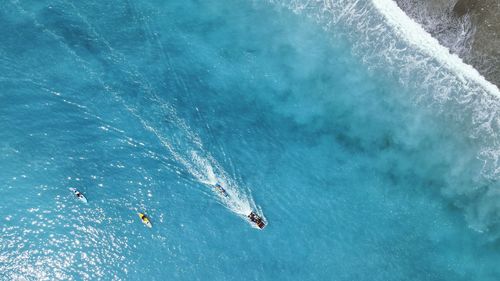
(368, 148)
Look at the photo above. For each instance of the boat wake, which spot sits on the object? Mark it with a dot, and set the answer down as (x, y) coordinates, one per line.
(155, 114)
(187, 149)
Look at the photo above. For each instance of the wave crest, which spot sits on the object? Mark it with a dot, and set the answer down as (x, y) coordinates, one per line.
(388, 41)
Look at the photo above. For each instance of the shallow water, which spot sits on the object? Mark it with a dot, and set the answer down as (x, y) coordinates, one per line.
(140, 105)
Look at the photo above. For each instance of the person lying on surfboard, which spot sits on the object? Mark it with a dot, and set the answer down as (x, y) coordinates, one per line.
(220, 189)
(145, 220)
(78, 194)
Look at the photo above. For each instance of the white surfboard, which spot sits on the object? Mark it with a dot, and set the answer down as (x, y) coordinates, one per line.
(78, 195)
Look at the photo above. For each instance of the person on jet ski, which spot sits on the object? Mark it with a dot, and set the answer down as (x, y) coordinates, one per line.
(257, 220)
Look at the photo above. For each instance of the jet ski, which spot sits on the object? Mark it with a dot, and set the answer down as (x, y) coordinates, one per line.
(78, 194)
(256, 219)
(220, 189)
(145, 220)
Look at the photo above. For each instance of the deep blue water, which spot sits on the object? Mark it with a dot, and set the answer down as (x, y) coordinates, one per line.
(140, 104)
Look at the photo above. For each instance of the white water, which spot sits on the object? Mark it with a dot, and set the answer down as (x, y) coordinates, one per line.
(395, 47)
(199, 162)
(415, 35)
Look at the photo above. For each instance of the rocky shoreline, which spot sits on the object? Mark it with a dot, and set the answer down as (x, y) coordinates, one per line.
(469, 28)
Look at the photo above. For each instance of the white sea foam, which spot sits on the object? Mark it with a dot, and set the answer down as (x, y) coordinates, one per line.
(419, 38)
(392, 45)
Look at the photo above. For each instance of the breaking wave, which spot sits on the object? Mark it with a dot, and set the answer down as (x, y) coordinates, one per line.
(387, 41)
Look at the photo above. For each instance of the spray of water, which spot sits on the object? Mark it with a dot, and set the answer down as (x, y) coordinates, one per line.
(175, 135)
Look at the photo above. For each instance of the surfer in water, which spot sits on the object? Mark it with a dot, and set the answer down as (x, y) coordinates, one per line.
(145, 220)
(220, 189)
(78, 194)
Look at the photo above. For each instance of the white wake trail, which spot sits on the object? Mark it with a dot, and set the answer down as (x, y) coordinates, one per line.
(201, 164)
(184, 145)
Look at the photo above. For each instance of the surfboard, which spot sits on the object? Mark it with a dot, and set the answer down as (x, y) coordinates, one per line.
(145, 220)
(81, 197)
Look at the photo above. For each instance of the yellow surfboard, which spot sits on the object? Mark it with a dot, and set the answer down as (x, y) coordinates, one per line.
(145, 220)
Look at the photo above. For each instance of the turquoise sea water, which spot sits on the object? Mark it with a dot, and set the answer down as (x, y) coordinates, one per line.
(360, 174)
